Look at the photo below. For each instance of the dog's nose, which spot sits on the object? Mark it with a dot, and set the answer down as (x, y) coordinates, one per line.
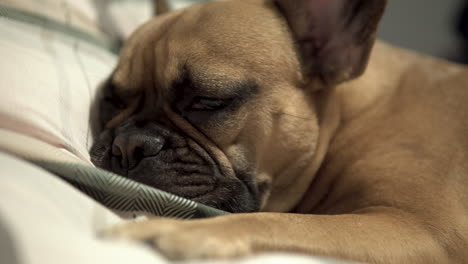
(133, 148)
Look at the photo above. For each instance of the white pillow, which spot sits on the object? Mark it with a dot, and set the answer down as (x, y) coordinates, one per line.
(48, 79)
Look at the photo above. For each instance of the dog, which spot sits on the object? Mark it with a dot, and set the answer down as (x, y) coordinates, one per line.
(320, 139)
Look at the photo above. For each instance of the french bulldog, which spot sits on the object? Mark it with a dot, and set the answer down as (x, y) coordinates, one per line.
(291, 115)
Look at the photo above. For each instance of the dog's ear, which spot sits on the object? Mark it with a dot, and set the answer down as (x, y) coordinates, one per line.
(334, 37)
(160, 7)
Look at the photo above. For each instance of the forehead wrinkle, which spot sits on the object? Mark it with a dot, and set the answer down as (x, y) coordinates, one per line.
(131, 59)
(191, 83)
(164, 72)
(167, 71)
(221, 84)
(231, 88)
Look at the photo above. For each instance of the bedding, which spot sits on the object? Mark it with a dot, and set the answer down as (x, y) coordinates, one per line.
(55, 54)
(60, 114)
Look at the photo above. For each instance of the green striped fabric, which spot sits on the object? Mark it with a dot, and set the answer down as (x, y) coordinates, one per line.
(50, 24)
(122, 194)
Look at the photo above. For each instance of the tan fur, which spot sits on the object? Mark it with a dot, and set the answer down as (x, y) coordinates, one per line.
(376, 167)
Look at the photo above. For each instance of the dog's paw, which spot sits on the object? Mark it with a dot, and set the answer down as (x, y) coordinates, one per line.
(180, 240)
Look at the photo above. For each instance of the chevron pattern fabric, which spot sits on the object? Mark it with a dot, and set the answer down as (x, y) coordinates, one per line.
(121, 194)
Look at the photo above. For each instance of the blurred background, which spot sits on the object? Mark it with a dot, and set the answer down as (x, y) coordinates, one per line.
(436, 27)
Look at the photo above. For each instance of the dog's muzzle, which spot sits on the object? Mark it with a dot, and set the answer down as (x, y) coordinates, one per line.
(156, 156)
(166, 159)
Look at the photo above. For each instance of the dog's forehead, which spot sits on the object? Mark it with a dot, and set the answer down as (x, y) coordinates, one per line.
(236, 26)
(221, 40)
(232, 39)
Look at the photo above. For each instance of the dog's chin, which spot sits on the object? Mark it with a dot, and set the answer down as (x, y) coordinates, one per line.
(187, 173)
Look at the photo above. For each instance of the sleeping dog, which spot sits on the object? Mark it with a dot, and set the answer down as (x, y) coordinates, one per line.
(290, 114)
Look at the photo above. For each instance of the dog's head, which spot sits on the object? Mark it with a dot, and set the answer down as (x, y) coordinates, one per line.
(220, 102)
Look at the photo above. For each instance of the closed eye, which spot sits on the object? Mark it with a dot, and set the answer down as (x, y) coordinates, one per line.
(207, 104)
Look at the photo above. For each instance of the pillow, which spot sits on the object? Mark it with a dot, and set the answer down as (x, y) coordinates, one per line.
(50, 75)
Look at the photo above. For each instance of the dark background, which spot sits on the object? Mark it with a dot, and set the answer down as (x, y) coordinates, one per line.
(436, 27)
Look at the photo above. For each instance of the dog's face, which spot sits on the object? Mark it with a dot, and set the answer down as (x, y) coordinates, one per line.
(214, 103)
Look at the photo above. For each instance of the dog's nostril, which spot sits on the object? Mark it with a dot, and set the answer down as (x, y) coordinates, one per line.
(138, 154)
(119, 151)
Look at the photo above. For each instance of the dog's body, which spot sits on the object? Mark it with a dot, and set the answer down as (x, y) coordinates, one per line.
(374, 169)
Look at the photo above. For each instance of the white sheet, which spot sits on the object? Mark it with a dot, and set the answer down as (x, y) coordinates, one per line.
(48, 221)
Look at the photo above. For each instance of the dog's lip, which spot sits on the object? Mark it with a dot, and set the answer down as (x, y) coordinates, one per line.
(192, 191)
(188, 182)
(194, 179)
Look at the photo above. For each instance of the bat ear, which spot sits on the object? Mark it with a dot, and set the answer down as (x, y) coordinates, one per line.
(334, 37)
